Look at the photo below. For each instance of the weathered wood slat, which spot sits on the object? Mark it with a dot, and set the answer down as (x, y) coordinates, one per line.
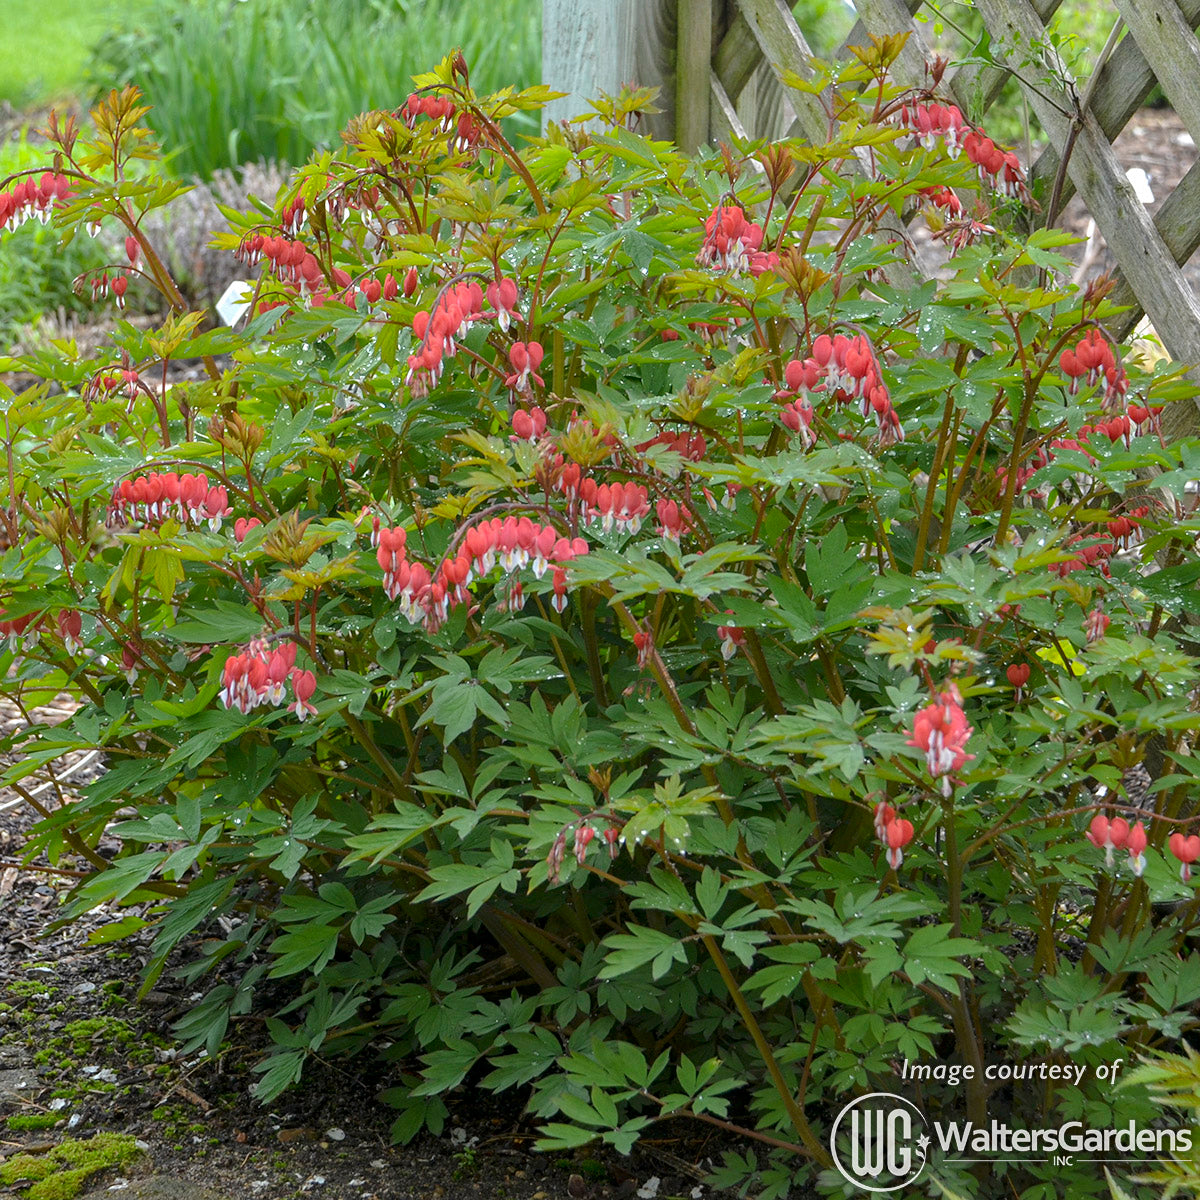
(779, 37)
(1178, 220)
(599, 47)
(1166, 39)
(723, 120)
(1124, 83)
(782, 44)
(1177, 224)
(693, 68)
(748, 83)
(736, 58)
(765, 105)
(980, 85)
(885, 17)
(1135, 242)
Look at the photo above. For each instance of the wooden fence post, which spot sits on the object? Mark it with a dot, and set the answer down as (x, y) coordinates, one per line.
(594, 46)
(693, 74)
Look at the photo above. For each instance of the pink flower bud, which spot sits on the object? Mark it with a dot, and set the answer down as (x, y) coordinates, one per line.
(1187, 850)
(583, 837)
(1135, 843)
(899, 834)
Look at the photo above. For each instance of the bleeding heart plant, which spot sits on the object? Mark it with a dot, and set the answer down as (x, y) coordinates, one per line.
(513, 645)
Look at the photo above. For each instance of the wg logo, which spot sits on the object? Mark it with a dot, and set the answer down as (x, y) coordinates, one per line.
(879, 1142)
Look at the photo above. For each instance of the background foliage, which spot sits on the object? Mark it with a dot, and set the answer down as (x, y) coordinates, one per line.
(243, 81)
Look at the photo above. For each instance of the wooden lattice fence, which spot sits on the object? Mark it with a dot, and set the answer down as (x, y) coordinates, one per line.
(720, 65)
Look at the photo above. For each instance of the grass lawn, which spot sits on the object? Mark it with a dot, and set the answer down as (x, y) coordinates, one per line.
(45, 43)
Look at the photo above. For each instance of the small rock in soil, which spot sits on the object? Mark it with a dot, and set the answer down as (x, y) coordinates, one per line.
(16, 1084)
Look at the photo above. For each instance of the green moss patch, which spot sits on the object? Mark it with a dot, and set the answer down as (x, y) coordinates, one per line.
(23, 1122)
(61, 1173)
(28, 988)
